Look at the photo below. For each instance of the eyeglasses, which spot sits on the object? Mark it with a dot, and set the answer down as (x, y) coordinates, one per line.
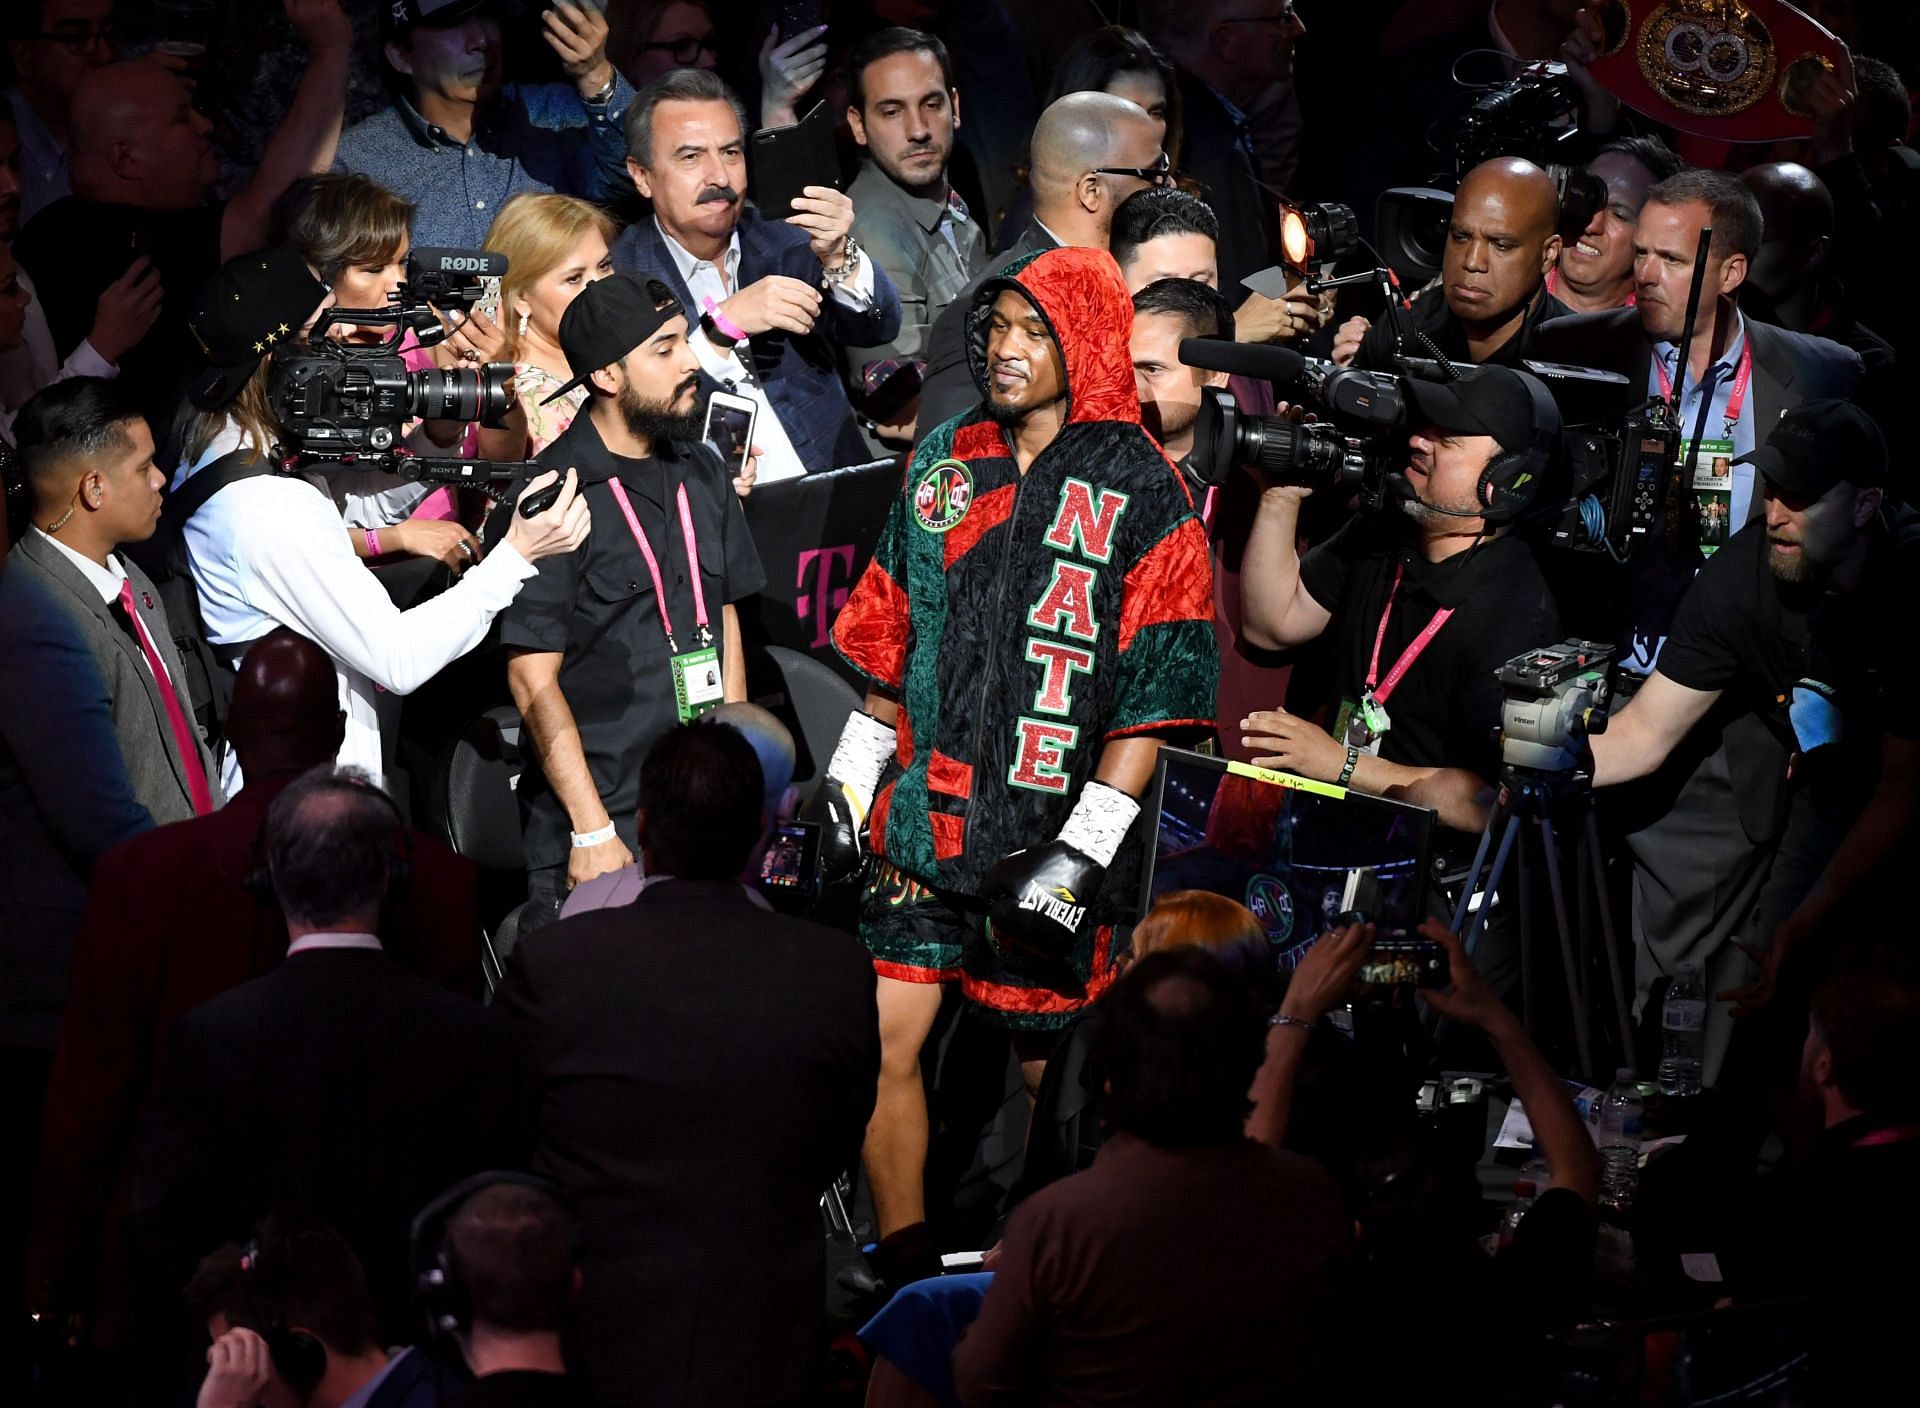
(79, 42)
(1159, 174)
(1283, 19)
(687, 50)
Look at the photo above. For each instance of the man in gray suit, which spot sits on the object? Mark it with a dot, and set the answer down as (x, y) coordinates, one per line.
(96, 744)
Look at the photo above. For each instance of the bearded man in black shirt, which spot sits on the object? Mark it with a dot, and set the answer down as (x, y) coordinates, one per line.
(1423, 607)
(1801, 626)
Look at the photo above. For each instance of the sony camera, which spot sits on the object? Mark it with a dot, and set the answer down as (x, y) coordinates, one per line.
(1353, 446)
(341, 403)
(1557, 697)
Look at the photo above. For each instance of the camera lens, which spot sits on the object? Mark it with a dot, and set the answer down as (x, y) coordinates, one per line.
(1292, 453)
(441, 394)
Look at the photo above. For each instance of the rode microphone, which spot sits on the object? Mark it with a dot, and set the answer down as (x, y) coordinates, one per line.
(471, 263)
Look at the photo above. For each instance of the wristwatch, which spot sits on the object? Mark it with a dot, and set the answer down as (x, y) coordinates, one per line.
(606, 90)
(849, 266)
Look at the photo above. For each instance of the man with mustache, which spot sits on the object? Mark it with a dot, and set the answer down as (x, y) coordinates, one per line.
(1502, 238)
(458, 144)
(1789, 628)
(612, 645)
(770, 302)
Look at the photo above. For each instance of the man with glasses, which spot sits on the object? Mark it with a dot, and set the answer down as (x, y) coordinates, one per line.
(1229, 53)
(1090, 151)
(647, 42)
(458, 143)
(53, 44)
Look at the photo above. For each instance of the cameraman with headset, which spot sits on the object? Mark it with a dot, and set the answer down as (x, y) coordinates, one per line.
(1425, 604)
(268, 549)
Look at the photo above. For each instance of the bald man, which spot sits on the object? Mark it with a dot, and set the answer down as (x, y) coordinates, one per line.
(171, 921)
(1502, 239)
(1090, 151)
(143, 169)
(1791, 285)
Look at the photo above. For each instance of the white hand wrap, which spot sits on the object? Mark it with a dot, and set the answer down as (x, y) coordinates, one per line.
(861, 756)
(1099, 822)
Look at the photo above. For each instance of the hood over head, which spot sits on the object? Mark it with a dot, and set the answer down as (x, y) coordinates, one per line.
(1080, 294)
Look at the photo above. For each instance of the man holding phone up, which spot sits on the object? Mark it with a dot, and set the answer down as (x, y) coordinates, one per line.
(613, 645)
(752, 285)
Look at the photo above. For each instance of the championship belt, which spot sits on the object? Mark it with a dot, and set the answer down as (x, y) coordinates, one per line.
(1737, 70)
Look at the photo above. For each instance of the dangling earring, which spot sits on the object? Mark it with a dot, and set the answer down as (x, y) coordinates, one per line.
(523, 325)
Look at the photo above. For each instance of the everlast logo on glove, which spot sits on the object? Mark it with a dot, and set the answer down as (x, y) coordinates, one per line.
(1054, 903)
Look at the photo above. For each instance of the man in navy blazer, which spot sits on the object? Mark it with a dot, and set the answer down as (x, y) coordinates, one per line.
(774, 300)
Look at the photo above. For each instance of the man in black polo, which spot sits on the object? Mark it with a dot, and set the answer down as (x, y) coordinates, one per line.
(1799, 630)
(1423, 605)
(612, 645)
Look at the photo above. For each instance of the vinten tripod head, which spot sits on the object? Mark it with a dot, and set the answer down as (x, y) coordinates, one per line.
(1557, 697)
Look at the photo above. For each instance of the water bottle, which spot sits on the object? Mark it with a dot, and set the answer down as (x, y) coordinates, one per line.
(1528, 1185)
(1620, 1115)
(1683, 1041)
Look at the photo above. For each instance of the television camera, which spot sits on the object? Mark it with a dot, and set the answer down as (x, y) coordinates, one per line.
(345, 404)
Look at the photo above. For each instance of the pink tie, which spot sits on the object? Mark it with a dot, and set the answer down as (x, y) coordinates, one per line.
(183, 735)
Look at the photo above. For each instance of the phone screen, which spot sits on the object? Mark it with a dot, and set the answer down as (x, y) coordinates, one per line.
(792, 857)
(728, 427)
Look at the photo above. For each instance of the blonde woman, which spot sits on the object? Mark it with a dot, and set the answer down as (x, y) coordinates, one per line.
(555, 246)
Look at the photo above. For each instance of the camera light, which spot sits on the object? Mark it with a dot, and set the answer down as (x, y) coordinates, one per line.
(1296, 243)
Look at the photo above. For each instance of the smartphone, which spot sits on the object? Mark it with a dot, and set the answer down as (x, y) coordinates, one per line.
(729, 428)
(792, 861)
(799, 15)
(1400, 961)
(786, 160)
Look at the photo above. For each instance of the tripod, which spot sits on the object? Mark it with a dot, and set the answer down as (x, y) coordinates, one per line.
(1528, 794)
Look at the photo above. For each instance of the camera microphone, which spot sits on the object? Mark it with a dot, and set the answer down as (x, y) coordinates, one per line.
(1212, 354)
(474, 263)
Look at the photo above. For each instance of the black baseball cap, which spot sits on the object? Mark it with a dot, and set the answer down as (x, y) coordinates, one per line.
(610, 318)
(399, 16)
(1486, 400)
(250, 306)
(1819, 444)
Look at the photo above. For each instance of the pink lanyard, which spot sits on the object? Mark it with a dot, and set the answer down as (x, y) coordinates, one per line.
(653, 563)
(1735, 400)
(1893, 1134)
(1385, 688)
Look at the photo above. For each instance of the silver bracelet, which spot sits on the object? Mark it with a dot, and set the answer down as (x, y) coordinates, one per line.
(1287, 1019)
(583, 839)
(849, 266)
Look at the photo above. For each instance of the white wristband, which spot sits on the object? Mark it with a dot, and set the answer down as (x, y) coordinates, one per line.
(583, 839)
(1099, 822)
(865, 745)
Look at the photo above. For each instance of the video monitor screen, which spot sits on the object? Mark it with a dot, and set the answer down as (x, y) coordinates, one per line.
(1297, 853)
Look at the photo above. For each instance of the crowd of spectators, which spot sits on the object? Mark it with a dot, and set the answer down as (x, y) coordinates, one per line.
(749, 1077)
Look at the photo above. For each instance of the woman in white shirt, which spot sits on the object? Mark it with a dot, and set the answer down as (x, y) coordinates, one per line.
(267, 550)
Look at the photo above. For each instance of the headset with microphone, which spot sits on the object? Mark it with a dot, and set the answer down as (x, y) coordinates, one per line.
(1512, 478)
(439, 1291)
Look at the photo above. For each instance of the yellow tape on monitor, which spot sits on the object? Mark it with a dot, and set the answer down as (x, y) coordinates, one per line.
(1286, 779)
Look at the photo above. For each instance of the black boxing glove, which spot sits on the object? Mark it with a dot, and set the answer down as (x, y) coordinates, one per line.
(1038, 898)
(839, 805)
